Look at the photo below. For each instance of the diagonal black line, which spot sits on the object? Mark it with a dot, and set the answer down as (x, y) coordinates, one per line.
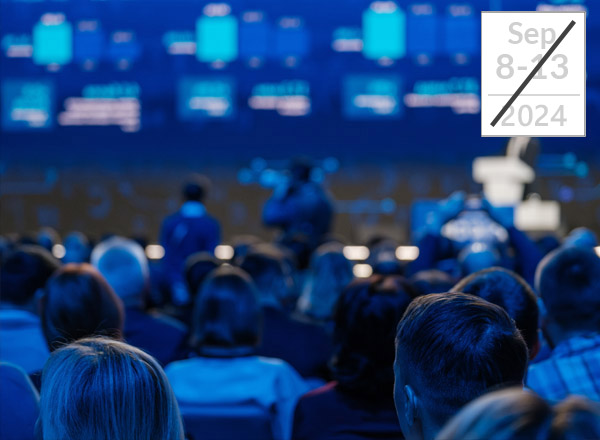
(533, 73)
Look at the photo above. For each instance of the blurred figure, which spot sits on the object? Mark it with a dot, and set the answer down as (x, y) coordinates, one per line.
(304, 345)
(227, 373)
(23, 274)
(100, 389)
(300, 208)
(359, 404)
(450, 349)
(569, 283)
(432, 281)
(124, 265)
(511, 292)
(77, 248)
(79, 303)
(477, 256)
(47, 238)
(581, 237)
(577, 418)
(189, 230)
(19, 404)
(242, 244)
(382, 256)
(329, 273)
(502, 415)
(197, 268)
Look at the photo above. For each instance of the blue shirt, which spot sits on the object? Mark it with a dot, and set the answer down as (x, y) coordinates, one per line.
(572, 368)
(21, 340)
(246, 381)
(19, 404)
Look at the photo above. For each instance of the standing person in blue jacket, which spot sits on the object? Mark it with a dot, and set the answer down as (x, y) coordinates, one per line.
(301, 209)
(188, 231)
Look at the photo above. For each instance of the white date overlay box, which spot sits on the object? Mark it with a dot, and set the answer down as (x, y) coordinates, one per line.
(533, 74)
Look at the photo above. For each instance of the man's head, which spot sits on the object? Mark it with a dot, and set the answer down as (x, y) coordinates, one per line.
(569, 283)
(450, 349)
(195, 188)
(124, 265)
(511, 292)
(270, 273)
(25, 271)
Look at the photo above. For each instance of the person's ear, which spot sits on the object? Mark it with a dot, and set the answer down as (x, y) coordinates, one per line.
(536, 348)
(410, 407)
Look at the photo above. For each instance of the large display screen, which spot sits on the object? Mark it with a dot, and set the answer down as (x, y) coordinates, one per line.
(244, 78)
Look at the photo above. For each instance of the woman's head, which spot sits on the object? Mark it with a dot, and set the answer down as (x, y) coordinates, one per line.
(227, 313)
(508, 414)
(330, 272)
(78, 303)
(102, 389)
(515, 414)
(366, 317)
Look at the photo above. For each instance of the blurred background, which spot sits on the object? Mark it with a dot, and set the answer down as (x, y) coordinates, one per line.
(108, 105)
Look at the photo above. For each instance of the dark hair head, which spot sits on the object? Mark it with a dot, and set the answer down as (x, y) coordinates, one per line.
(301, 168)
(330, 272)
(24, 271)
(269, 272)
(197, 267)
(501, 415)
(432, 281)
(569, 283)
(227, 313)
(453, 347)
(509, 291)
(78, 303)
(366, 316)
(196, 188)
(98, 389)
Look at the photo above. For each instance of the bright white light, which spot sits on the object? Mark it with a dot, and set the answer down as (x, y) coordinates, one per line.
(155, 251)
(597, 249)
(362, 270)
(58, 250)
(224, 252)
(356, 253)
(407, 253)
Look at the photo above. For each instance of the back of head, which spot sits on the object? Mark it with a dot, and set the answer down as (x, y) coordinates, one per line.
(269, 273)
(195, 188)
(509, 291)
(569, 283)
(301, 168)
(581, 237)
(366, 316)
(77, 248)
(452, 348)
(226, 313)
(510, 414)
(101, 389)
(577, 418)
(79, 303)
(124, 265)
(197, 267)
(478, 256)
(432, 281)
(330, 272)
(24, 271)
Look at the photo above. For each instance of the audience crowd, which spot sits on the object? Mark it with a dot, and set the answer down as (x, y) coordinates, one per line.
(471, 340)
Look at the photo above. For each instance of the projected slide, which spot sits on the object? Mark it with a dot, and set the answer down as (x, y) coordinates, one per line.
(347, 75)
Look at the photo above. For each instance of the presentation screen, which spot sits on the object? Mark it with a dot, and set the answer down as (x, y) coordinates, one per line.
(94, 80)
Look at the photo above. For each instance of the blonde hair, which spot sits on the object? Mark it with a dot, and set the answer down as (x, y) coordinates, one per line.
(507, 414)
(102, 389)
